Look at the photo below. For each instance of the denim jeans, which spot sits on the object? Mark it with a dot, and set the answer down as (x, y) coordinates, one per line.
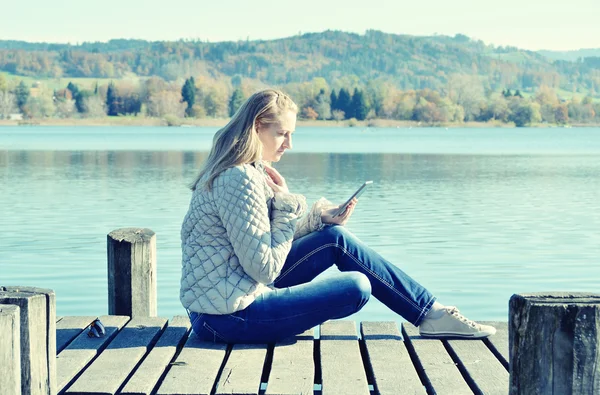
(298, 303)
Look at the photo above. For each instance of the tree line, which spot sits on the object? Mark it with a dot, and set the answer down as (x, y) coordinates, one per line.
(463, 99)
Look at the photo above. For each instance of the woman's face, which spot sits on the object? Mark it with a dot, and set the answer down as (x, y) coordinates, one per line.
(277, 137)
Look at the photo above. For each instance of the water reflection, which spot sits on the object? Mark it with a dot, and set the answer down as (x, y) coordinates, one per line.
(472, 228)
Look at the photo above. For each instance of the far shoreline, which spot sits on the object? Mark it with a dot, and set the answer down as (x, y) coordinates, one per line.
(220, 122)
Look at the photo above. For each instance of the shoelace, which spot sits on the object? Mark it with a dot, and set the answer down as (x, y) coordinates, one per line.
(452, 310)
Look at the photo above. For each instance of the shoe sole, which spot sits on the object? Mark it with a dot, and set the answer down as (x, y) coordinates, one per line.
(456, 335)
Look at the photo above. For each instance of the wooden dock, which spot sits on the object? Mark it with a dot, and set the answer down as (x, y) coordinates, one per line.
(152, 355)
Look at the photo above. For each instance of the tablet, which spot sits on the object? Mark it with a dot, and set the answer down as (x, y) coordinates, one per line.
(356, 194)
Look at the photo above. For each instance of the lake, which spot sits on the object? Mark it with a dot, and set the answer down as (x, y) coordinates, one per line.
(473, 214)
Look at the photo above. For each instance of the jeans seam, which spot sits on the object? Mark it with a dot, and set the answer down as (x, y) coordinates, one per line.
(419, 309)
(197, 318)
(214, 332)
(424, 311)
(303, 258)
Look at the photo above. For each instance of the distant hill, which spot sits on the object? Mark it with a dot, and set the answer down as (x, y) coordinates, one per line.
(408, 62)
(571, 55)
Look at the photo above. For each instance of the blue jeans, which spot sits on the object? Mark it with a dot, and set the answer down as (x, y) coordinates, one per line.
(298, 303)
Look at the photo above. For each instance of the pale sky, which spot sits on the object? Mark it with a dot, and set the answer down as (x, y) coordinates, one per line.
(527, 24)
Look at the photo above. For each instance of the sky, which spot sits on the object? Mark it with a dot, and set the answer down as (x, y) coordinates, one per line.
(527, 24)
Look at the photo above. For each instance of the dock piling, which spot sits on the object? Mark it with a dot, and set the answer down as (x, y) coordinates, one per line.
(132, 272)
(10, 349)
(37, 308)
(554, 343)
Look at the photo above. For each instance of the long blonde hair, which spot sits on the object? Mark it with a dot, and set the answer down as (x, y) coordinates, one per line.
(237, 142)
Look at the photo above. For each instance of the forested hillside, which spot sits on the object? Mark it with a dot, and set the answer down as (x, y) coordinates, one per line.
(331, 75)
(408, 62)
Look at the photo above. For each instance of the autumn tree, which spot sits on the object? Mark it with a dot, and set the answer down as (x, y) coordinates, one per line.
(8, 103)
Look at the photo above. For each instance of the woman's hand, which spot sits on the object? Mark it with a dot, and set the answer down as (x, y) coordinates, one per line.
(276, 180)
(328, 218)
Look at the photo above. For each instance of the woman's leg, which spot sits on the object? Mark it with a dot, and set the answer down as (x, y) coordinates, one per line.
(282, 313)
(317, 251)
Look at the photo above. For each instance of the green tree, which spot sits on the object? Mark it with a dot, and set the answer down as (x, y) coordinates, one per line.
(359, 106)
(518, 94)
(80, 100)
(188, 93)
(333, 99)
(524, 112)
(236, 100)
(343, 103)
(507, 93)
(73, 88)
(22, 93)
(112, 101)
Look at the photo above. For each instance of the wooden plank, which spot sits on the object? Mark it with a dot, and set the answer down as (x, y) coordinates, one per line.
(185, 377)
(293, 366)
(149, 372)
(435, 366)
(498, 342)
(482, 370)
(10, 349)
(243, 370)
(389, 359)
(110, 370)
(68, 328)
(341, 362)
(83, 349)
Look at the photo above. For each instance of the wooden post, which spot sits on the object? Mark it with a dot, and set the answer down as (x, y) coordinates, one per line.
(10, 349)
(132, 272)
(554, 342)
(38, 337)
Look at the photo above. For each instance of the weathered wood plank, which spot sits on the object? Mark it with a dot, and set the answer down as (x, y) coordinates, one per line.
(149, 372)
(69, 328)
(83, 349)
(10, 349)
(38, 337)
(185, 377)
(293, 366)
(481, 366)
(389, 359)
(341, 362)
(499, 342)
(110, 370)
(242, 372)
(437, 369)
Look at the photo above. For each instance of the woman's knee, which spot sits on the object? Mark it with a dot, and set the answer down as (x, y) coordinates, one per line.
(337, 234)
(360, 288)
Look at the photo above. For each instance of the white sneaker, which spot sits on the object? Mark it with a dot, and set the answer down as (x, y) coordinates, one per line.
(453, 324)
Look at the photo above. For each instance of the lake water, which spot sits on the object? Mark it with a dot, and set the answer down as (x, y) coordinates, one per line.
(474, 214)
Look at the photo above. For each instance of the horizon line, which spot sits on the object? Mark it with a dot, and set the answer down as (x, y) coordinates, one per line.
(80, 43)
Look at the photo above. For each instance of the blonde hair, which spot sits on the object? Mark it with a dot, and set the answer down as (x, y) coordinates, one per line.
(237, 142)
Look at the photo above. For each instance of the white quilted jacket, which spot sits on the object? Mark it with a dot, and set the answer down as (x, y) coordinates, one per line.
(235, 239)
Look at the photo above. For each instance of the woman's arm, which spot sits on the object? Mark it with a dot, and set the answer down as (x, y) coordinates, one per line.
(260, 244)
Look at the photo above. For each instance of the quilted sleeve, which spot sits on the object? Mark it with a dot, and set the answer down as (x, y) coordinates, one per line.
(260, 244)
(312, 221)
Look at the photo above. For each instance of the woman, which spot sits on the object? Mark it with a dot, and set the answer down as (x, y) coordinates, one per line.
(250, 256)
